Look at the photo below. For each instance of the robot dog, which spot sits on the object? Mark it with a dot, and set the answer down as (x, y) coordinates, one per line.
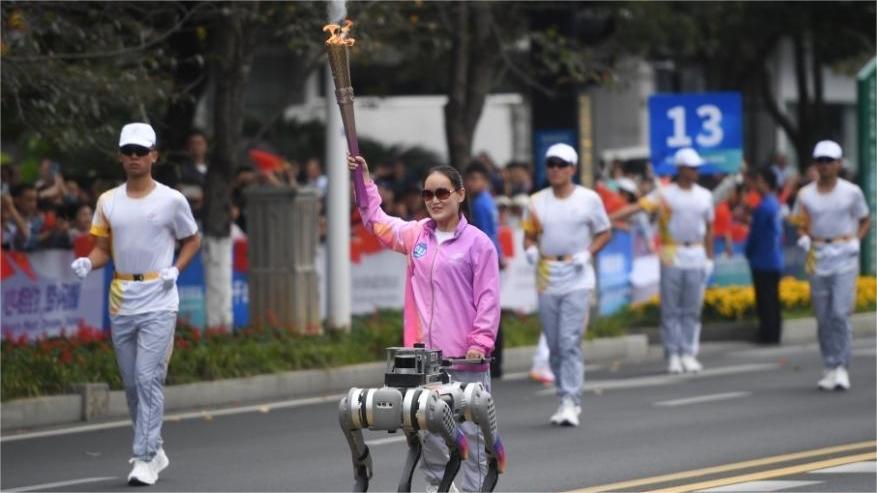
(418, 395)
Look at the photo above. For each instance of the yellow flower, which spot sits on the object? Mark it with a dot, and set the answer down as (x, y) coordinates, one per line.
(737, 302)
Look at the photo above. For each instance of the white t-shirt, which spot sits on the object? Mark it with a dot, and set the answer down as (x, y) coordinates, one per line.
(683, 215)
(143, 233)
(443, 236)
(565, 227)
(835, 214)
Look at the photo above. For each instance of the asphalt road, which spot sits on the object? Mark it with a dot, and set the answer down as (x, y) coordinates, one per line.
(641, 430)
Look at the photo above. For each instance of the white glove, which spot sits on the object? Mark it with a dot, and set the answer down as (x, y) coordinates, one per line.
(804, 243)
(169, 276)
(81, 267)
(708, 268)
(581, 259)
(532, 254)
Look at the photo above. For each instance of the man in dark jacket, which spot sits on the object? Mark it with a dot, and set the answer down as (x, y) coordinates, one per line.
(765, 254)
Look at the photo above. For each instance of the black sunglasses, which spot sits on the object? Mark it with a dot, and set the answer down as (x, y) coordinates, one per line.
(556, 163)
(440, 193)
(824, 160)
(134, 150)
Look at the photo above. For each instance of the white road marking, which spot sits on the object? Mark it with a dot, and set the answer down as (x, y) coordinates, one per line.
(703, 398)
(61, 484)
(761, 486)
(384, 441)
(865, 351)
(523, 375)
(869, 467)
(169, 418)
(654, 380)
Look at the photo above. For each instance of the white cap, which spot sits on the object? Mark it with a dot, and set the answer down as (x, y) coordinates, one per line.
(140, 134)
(627, 185)
(827, 148)
(503, 201)
(687, 157)
(521, 200)
(563, 152)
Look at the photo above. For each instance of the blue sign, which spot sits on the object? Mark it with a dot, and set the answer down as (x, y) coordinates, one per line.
(709, 122)
(542, 140)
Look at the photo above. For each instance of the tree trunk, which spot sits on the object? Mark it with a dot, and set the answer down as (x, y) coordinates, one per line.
(459, 142)
(231, 56)
(190, 82)
(802, 145)
(473, 62)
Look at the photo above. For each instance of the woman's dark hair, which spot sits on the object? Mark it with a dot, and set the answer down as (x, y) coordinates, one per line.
(769, 175)
(456, 181)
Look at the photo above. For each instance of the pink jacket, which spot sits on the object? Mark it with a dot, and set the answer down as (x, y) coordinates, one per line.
(451, 290)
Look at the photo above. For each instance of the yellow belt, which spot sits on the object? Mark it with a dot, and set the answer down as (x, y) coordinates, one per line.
(557, 258)
(685, 244)
(146, 276)
(826, 241)
(810, 259)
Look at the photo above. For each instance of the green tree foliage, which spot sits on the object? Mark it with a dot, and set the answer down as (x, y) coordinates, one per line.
(734, 44)
(72, 72)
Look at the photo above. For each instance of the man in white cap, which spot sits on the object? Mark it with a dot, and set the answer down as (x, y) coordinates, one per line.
(685, 226)
(566, 226)
(834, 218)
(137, 225)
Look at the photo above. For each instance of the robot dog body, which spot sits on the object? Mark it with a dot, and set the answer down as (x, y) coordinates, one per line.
(418, 395)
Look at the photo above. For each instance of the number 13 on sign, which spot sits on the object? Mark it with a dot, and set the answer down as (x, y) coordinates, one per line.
(709, 135)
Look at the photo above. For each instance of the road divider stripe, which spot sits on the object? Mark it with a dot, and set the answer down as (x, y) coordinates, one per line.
(62, 484)
(703, 398)
(665, 478)
(772, 473)
(664, 379)
(206, 414)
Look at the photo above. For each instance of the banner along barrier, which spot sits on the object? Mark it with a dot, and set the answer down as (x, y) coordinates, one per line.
(42, 297)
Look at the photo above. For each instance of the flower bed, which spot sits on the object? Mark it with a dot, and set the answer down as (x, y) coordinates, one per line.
(738, 302)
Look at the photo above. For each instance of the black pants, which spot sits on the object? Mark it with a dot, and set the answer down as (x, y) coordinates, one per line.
(767, 305)
(496, 363)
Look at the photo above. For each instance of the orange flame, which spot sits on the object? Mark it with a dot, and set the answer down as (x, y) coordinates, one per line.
(339, 34)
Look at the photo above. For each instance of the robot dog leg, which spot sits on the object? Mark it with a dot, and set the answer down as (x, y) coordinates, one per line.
(471, 402)
(350, 417)
(480, 409)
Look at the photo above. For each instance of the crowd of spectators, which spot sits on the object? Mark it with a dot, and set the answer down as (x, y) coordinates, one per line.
(51, 212)
(55, 212)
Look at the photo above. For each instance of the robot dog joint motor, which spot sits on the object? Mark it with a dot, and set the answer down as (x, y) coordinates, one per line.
(418, 395)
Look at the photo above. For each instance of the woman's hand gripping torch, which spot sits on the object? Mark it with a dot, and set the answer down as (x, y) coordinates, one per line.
(339, 63)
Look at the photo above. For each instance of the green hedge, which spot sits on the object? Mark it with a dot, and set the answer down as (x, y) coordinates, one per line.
(51, 366)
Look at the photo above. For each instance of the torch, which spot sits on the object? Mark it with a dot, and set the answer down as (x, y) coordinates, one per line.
(339, 63)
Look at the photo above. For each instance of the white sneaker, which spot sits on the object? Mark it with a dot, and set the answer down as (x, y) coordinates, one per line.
(828, 380)
(542, 375)
(841, 378)
(142, 473)
(674, 365)
(159, 462)
(567, 414)
(433, 488)
(690, 364)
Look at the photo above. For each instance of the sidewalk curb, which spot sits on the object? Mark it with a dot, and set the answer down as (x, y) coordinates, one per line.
(70, 408)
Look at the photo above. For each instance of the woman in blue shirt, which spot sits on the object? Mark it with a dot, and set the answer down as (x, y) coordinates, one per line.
(764, 252)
